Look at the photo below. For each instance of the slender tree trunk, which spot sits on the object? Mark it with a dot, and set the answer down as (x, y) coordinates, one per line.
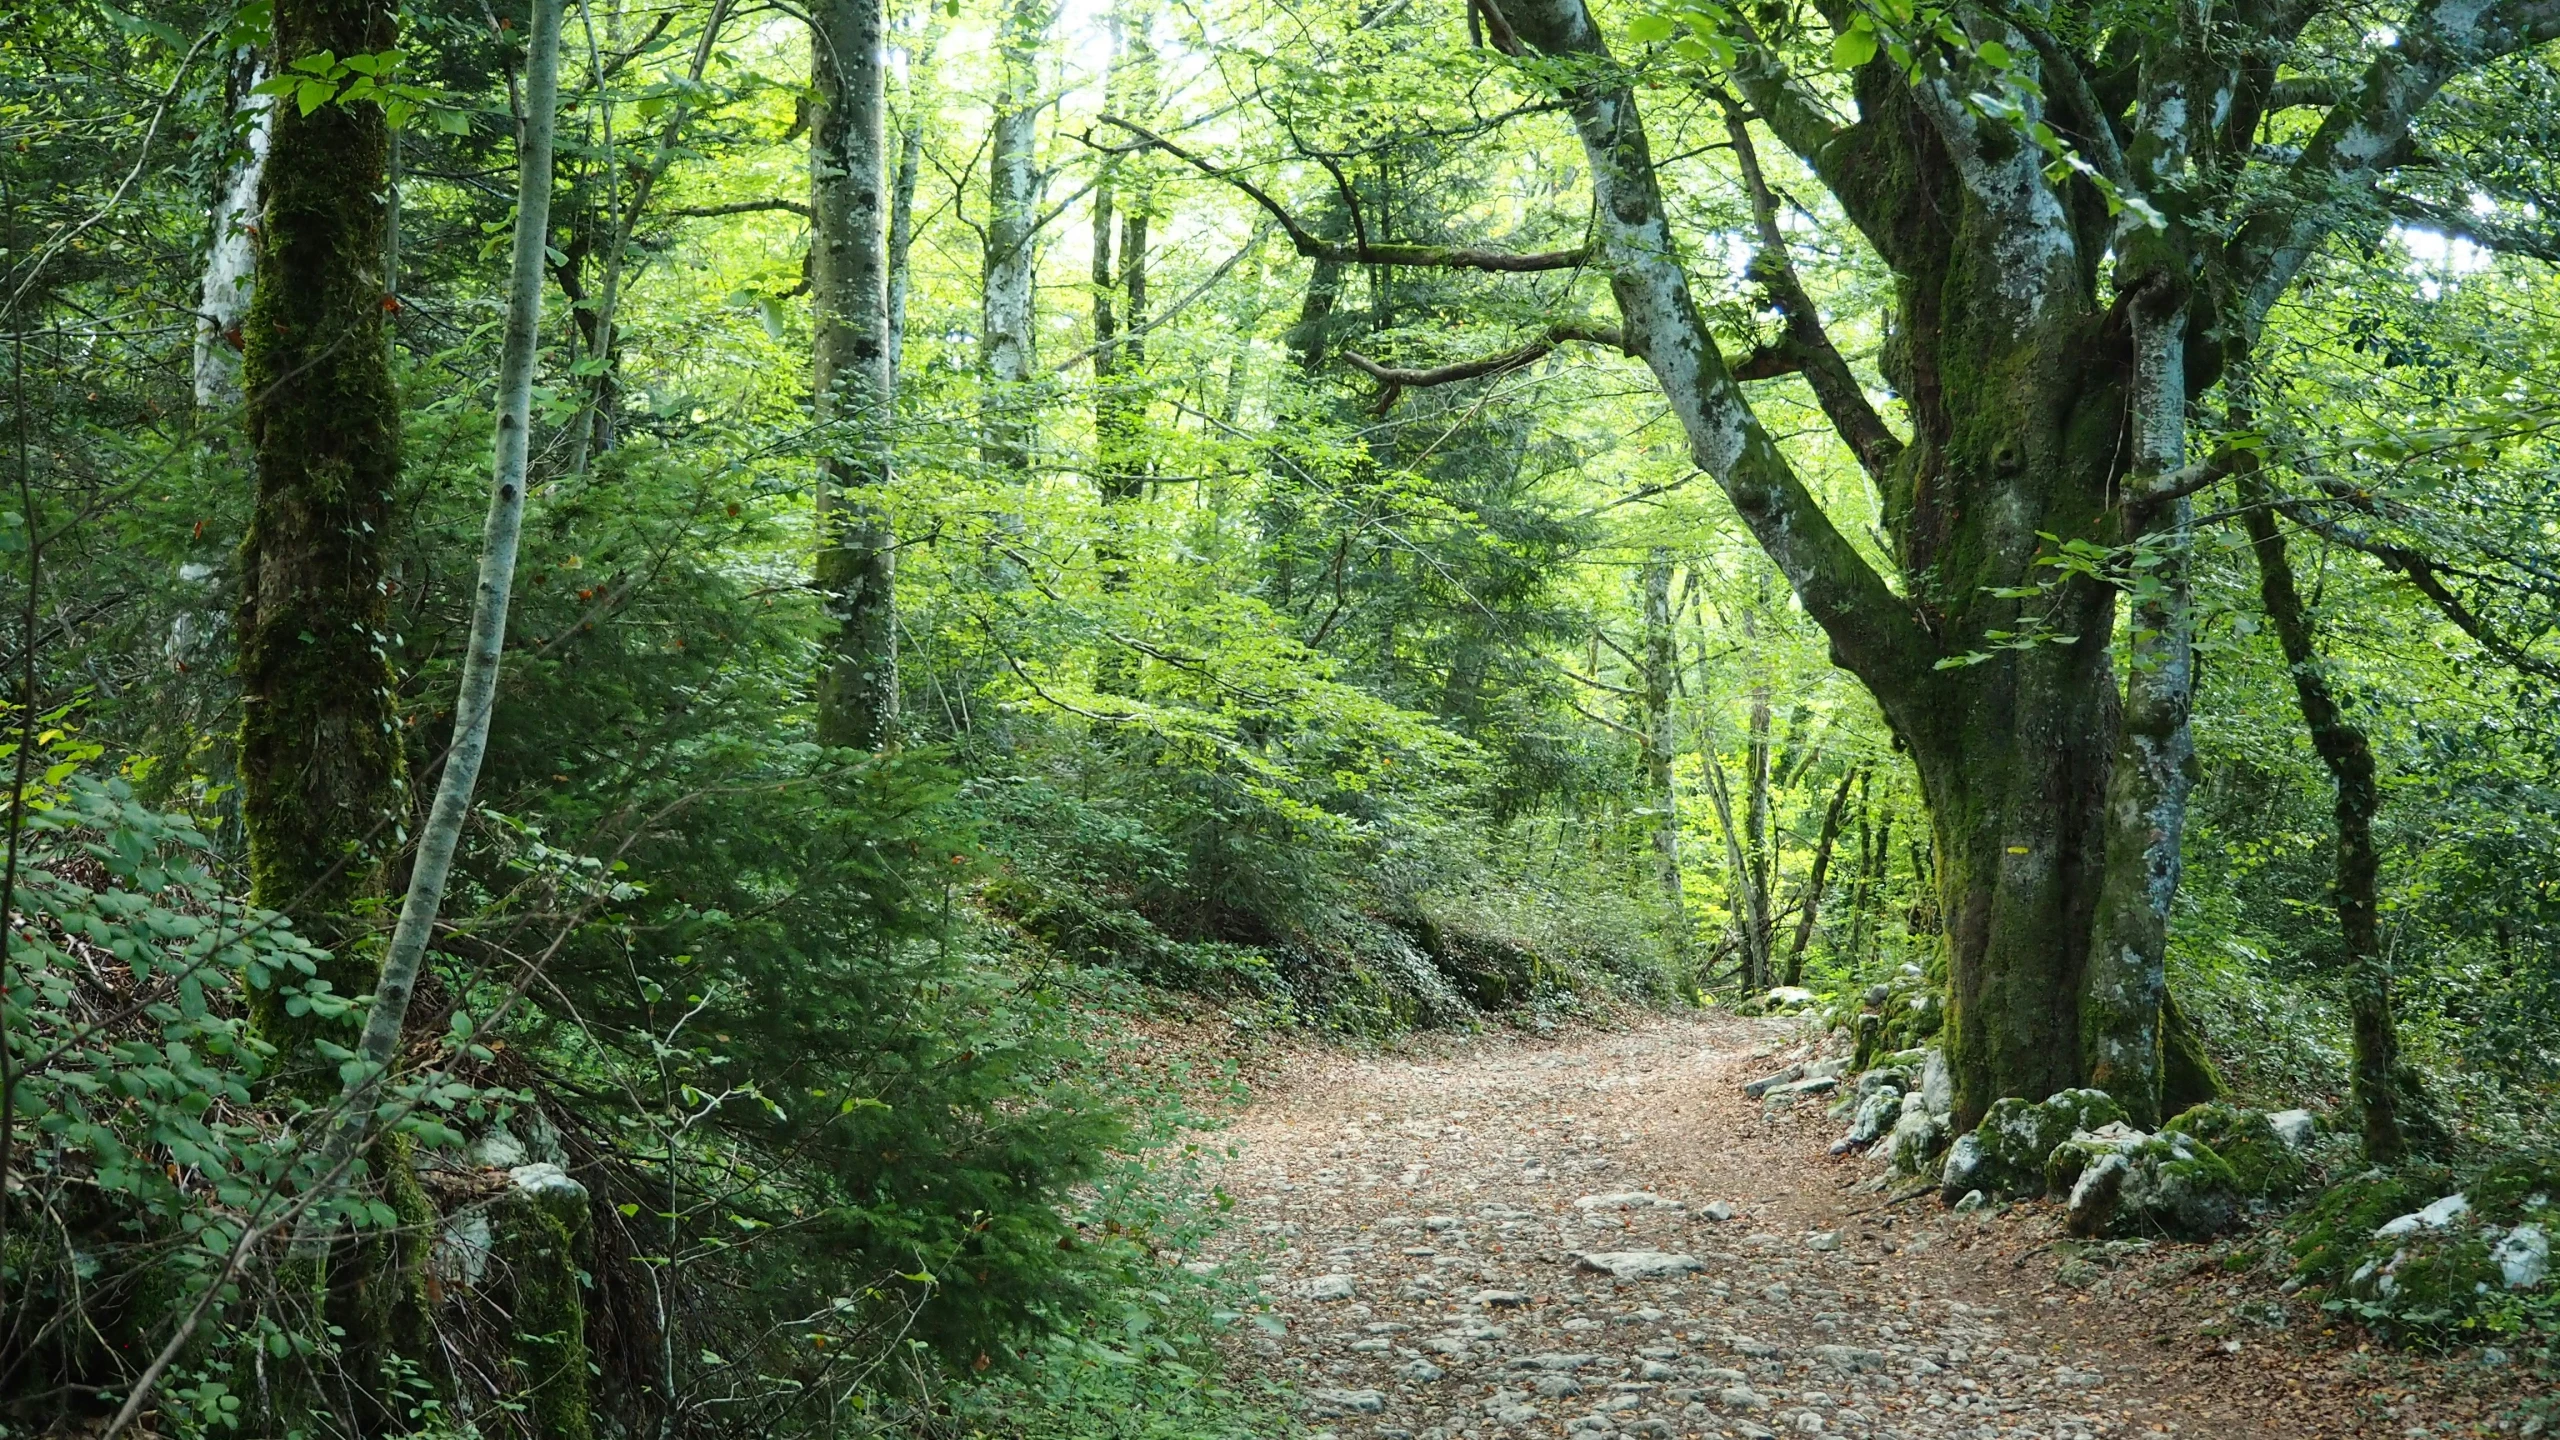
(2376, 1085)
(855, 570)
(477, 697)
(902, 197)
(1757, 841)
(323, 779)
(230, 265)
(1875, 852)
(1661, 736)
(1815, 879)
(594, 430)
(1006, 345)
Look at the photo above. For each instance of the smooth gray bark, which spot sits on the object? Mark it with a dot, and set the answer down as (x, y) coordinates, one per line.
(1661, 732)
(231, 261)
(478, 695)
(856, 559)
(1007, 348)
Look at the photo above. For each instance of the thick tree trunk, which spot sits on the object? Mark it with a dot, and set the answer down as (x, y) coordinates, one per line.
(1661, 736)
(1006, 345)
(476, 699)
(2377, 1082)
(323, 794)
(855, 570)
(2002, 687)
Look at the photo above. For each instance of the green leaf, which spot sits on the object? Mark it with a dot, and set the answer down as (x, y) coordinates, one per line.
(311, 95)
(1650, 29)
(1854, 46)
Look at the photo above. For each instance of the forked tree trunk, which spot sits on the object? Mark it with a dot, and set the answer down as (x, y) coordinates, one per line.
(2018, 402)
(323, 792)
(856, 559)
(1817, 877)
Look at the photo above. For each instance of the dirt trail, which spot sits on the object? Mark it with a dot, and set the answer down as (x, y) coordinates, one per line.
(1439, 1227)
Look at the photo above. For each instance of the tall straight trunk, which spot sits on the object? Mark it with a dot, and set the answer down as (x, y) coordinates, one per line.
(1005, 342)
(902, 238)
(323, 780)
(1816, 878)
(1758, 841)
(2376, 1086)
(1875, 853)
(230, 263)
(1661, 735)
(1751, 906)
(855, 569)
(477, 697)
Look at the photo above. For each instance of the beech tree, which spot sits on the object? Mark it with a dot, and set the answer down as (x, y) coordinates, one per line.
(2086, 229)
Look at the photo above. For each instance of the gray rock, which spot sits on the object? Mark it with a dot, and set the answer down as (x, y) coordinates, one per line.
(1918, 1138)
(1740, 1397)
(1326, 1287)
(1625, 1200)
(1556, 1387)
(1971, 1201)
(2437, 1216)
(1938, 1084)
(1422, 1370)
(2523, 1258)
(1347, 1402)
(1655, 1370)
(2169, 1182)
(1638, 1264)
(548, 1183)
(2295, 1128)
(1767, 1083)
(1877, 1114)
(1849, 1359)
(1499, 1299)
(1823, 1240)
(1716, 1210)
(1556, 1360)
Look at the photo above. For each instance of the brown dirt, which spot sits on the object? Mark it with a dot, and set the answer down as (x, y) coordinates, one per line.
(1439, 1188)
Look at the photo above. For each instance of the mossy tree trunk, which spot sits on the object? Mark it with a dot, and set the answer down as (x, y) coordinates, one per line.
(856, 561)
(2378, 1086)
(1007, 348)
(323, 787)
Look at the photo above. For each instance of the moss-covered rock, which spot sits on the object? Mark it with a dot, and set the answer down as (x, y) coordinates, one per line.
(2266, 1167)
(2331, 1239)
(2005, 1155)
(2168, 1184)
(540, 1241)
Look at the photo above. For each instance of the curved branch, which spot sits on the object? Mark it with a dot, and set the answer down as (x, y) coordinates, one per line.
(2485, 233)
(1397, 380)
(1873, 631)
(1364, 252)
(1808, 346)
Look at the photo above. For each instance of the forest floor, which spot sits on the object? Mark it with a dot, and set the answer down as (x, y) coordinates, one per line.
(1420, 1219)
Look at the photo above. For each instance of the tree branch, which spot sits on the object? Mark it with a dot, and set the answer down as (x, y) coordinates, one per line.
(739, 207)
(1873, 631)
(1396, 381)
(1363, 252)
(1842, 398)
(2361, 135)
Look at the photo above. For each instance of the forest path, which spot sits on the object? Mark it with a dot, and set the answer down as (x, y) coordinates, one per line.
(1423, 1218)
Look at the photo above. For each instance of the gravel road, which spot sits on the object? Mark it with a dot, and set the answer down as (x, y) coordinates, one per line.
(1600, 1236)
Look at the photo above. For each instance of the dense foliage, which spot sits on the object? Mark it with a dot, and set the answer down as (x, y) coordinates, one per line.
(1322, 629)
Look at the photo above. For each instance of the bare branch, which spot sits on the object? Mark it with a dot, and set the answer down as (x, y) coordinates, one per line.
(1396, 381)
(1363, 252)
(1807, 346)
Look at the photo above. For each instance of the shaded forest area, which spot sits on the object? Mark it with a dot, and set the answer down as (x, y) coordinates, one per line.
(679, 675)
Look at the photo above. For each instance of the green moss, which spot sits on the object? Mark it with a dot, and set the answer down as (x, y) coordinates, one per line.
(2264, 1165)
(2330, 1239)
(2506, 1192)
(2010, 1149)
(2188, 1077)
(541, 1240)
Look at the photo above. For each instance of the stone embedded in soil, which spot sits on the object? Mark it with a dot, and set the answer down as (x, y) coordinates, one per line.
(1638, 1264)
(1328, 1287)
